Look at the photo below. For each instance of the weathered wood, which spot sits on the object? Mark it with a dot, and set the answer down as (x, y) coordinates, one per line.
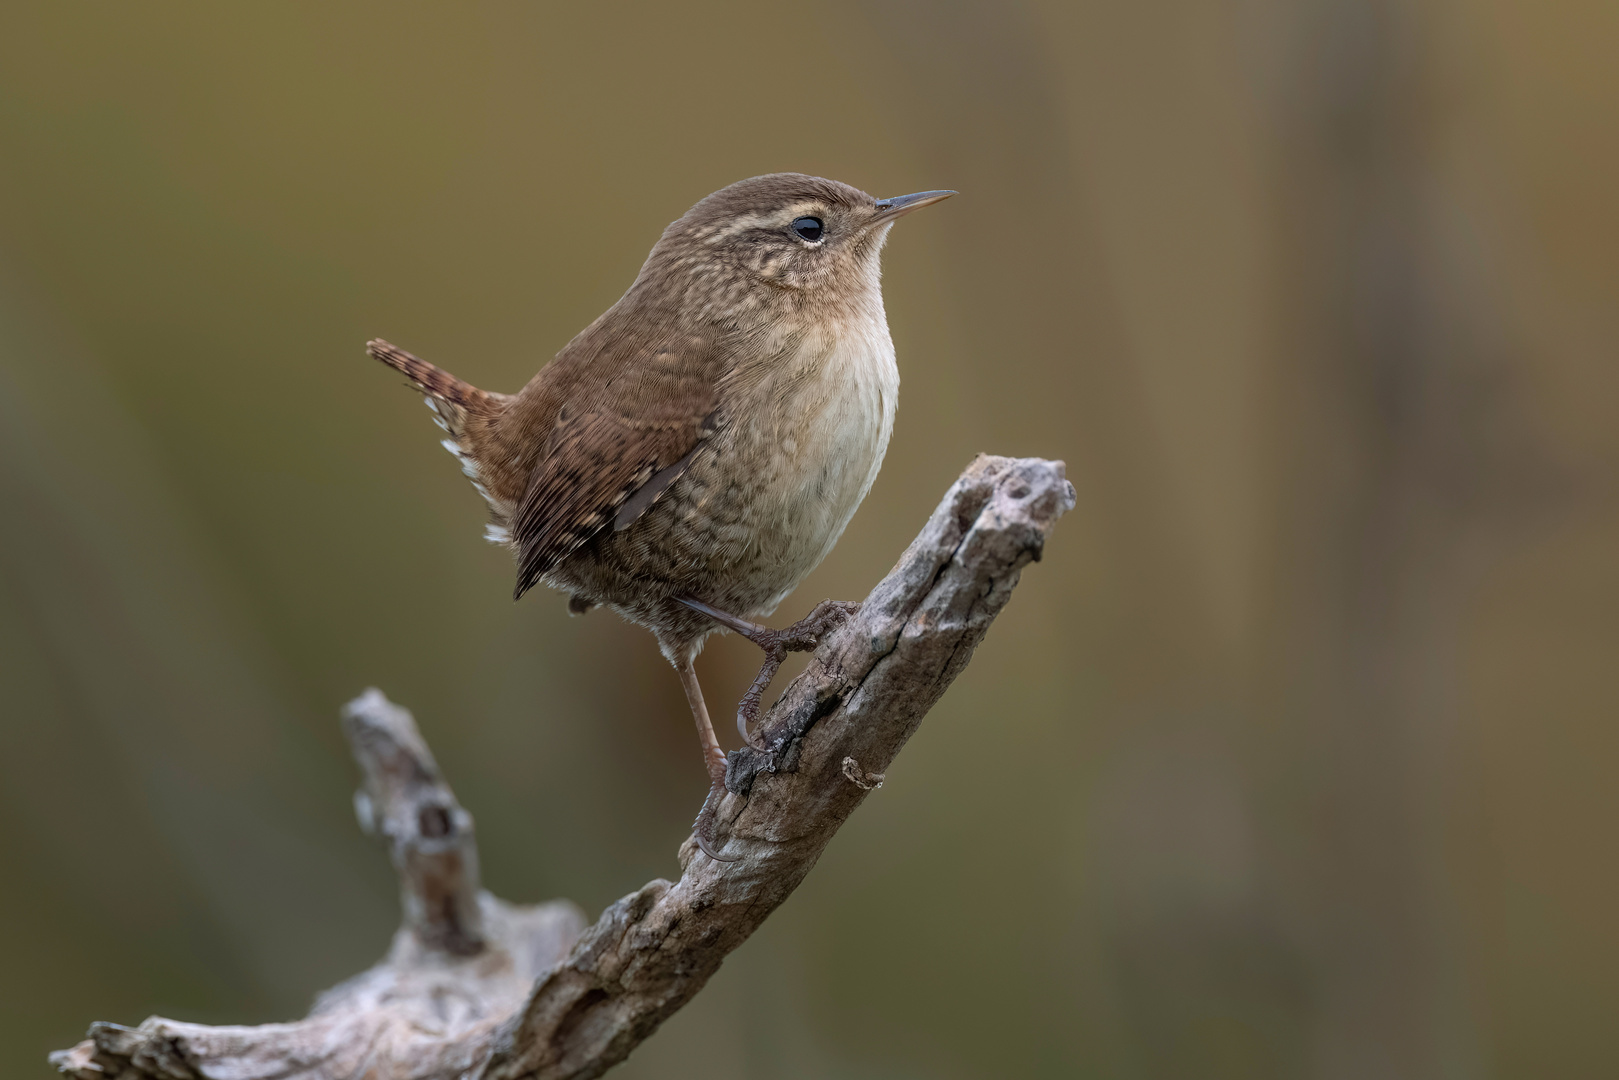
(429, 836)
(476, 989)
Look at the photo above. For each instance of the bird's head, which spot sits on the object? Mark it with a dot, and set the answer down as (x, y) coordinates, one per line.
(786, 230)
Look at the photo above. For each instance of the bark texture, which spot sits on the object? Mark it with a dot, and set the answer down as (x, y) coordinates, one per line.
(474, 988)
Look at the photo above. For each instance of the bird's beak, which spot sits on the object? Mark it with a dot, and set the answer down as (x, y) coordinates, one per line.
(889, 209)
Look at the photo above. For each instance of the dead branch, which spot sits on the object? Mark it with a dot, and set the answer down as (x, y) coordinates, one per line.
(477, 989)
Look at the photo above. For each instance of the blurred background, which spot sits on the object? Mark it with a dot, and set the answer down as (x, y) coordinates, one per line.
(1295, 756)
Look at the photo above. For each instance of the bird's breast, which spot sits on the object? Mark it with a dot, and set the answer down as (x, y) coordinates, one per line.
(804, 444)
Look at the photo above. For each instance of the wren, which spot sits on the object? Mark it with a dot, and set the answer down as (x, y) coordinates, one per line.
(697, 450)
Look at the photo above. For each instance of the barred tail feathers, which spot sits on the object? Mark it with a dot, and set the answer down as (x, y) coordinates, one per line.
(464, 412)
(451, 398)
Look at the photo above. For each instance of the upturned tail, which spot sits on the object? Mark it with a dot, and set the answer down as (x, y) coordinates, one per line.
(453, 399)
(433, 380)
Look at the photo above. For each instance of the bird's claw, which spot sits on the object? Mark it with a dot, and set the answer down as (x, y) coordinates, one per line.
(808, 632)
(702, 830)
(802, 636)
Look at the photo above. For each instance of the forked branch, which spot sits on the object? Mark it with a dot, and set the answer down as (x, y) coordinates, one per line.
(477, 989)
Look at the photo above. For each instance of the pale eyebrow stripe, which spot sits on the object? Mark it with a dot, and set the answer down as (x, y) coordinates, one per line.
(757, 221)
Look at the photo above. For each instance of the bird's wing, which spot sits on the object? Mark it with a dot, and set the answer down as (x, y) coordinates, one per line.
(619, 441)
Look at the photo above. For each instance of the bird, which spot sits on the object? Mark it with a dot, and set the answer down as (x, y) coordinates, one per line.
(692, 454)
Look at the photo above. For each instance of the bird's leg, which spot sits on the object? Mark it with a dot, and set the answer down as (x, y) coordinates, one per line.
(713, 756)
(713, 760)
(802, 636)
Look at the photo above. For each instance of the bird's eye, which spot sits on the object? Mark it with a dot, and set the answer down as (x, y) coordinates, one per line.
(807, 228)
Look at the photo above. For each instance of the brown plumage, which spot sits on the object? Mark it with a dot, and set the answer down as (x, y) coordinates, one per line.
(692, 454)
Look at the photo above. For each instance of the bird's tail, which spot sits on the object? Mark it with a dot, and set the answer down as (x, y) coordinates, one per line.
(455, 400)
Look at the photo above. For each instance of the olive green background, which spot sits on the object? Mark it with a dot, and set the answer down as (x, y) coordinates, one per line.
(1294, 758)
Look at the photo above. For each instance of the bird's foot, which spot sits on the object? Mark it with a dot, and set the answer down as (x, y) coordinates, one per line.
(802, 636)
(702, 830)
(806, 633)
